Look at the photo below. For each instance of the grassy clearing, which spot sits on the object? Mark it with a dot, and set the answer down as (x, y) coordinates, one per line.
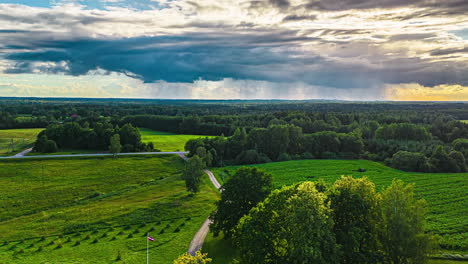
(464, 121)
(22, 139)
(446, 193)
(93, 210)
(166, 141)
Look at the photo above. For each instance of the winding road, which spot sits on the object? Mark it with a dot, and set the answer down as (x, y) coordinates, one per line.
(199, 238)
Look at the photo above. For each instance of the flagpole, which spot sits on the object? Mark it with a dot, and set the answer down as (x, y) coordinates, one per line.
(147, 247)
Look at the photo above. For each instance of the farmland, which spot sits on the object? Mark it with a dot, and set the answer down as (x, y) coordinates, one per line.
(22, 139)
(445, 192)
(166, 141)
(97, 210)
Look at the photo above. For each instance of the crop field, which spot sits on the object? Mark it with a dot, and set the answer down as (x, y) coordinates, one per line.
(166, 141)
(98, 210)
(22, 139)
(446, 193)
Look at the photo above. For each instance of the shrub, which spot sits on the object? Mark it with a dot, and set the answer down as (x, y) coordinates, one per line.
(95, 241)
(120, 233)
(119, 257)
(68, 240)
(77, 243)
(39, 249)
(51, 243)
(104, 235)
(113, 238)
(409, 161)
(87, 237)
(59, 245)
(161, 232)
(130, 236)
(284, 157)
(177, 230)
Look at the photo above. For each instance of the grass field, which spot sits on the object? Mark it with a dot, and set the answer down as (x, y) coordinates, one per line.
(97, 210)
(464, 121)
(22, 139)
(166, 141)
(446, 193)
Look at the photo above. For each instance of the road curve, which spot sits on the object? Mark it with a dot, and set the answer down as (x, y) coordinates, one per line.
(93, 155)
(199, 238)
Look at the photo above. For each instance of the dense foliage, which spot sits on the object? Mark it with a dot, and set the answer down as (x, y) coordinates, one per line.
(71, 135)
(246, 188)
(349, 223)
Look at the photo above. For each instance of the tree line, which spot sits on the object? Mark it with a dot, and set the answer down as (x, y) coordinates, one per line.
(71, 135)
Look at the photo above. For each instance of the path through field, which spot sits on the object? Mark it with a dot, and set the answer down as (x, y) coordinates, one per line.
(199, 238)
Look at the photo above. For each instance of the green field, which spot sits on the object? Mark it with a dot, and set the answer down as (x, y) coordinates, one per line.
(446, 193)
(91, 210)
(464, 121)
(22, 139)
(166, 141)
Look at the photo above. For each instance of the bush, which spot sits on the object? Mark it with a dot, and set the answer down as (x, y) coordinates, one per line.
(77, 243)
(409, 161)
(50, 146)
(95, 241)
(130, 236)
(128, 148)
(284, 157)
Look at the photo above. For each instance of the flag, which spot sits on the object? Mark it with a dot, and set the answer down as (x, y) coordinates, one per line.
(150, 238)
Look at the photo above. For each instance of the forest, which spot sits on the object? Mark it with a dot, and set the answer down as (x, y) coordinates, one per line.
(425, 137)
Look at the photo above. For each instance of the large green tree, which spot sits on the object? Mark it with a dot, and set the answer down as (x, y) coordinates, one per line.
(402, 232)
(356, 214)
(293, 225)
(242, 191)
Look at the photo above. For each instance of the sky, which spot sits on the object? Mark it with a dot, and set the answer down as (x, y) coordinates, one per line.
(409, 50)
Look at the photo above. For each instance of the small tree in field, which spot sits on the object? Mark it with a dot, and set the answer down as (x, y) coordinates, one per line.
(199, 258)
(193, 172)
(115, 146)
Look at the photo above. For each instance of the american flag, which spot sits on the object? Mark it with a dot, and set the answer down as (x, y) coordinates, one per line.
(150, 238)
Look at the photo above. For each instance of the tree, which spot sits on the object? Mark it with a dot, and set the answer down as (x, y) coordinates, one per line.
(410, 161)
(50, 146)
(402, 233)
(461, 145)
(39, 145)
(292, 225)
(199, 258)
(115, 146)
(441, 162)
(242, 191)
(459, 160)
(356, 214)
(193, 172)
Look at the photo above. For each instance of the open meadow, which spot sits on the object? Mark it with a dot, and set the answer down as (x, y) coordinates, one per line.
(166, 141)
(98, 210)
(22, 139)
(445, 192)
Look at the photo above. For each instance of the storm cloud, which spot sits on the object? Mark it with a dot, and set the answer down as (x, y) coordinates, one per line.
(284, 42)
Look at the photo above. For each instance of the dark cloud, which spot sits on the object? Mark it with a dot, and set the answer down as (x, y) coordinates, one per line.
(274, 57)
(440, 52)
(299, 17)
